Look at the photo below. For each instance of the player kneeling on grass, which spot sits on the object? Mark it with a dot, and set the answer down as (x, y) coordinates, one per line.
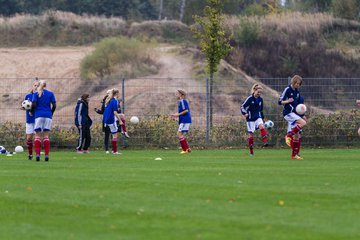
(110, 116)
(252, 110)
(184, 118)
(44, 105)
(290, 98)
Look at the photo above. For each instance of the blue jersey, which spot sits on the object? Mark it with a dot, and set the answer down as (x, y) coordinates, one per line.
(29, 119)
(289, 92)
(184, 105)
(253, 106)
(43, 104)
(108, 115)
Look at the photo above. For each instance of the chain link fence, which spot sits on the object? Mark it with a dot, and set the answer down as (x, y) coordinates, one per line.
(333, 117)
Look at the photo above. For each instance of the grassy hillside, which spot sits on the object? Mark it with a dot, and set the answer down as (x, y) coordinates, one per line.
(312, 45)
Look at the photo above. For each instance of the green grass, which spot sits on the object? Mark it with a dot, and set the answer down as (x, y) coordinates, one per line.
(212, 194)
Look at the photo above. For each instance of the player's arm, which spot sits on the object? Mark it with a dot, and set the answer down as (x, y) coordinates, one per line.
(53, 107)
(284, 99)
(245, 107)
(262, 110)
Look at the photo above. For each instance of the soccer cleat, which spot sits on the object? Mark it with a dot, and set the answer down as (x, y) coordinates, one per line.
(37, 158)
(116, 153)
(30, 157)
(296, 157)
(288, 140)
(251, 154)
(46, 158)
(265, 144)
(126, 134)
(79, 151)
(184, 152)
(85, 151)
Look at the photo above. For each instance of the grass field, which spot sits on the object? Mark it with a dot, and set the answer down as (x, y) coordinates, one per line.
(209, 194)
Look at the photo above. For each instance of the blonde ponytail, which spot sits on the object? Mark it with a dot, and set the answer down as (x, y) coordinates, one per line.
(41, 87)
(111, 94)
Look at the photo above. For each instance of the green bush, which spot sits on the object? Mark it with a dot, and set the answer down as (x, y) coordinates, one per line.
(247, 33)
(118, 56)
(336, 130)
(348, 9)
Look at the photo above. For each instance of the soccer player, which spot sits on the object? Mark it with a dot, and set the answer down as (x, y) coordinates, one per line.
(83, 123)
(44, 105)
(184, 118)
(110, 116)
(252, 110)
(293, 124)
(106, 130)
(30, 121)
(290, 98)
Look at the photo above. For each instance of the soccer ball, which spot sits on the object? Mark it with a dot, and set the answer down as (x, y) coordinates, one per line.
(19, 149)
(301, 109)
(26, 104)
(134, 120)
(269, 124)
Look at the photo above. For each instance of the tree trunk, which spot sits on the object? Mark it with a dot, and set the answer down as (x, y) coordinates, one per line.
(182, 10)
(211, 89)
(161, 9)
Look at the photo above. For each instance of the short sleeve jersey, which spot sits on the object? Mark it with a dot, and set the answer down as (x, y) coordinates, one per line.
(182, 106)
(109, 117)
(43, 104)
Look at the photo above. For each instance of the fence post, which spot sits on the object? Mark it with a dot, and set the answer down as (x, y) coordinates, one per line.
(207, 137)
(289, 80)
(123, 95)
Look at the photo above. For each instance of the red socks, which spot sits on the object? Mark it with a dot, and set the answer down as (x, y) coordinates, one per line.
(123, 126)
(184, 144)
(114, 144)
(251, 145)
(295, 147)
(37, 145)
(29, 144)
(263, 135)
(46, 146)
(296, 129)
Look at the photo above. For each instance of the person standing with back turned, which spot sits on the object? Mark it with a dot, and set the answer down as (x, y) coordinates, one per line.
(44, 105)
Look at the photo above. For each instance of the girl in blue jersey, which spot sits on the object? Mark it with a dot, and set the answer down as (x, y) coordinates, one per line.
(290, 98)
(184, 118)
(43, 105)
(110, 116)
(30, 121)
(252, 110)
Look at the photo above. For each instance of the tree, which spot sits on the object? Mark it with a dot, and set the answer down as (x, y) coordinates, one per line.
(213, 41)
(182, 9)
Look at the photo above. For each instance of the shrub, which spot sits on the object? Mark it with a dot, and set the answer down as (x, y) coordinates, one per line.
(247, 33)
(337, 129)
(128, 57)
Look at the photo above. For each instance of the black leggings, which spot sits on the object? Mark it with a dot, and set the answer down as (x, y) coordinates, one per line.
(84, 138)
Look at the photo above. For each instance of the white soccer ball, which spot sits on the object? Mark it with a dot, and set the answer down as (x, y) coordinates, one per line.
(134, 120)
(19, 149)
(269, 124)
(301, 109)
(26, 104)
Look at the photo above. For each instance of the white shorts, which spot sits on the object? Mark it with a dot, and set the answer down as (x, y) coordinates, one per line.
(30, 128)
(254, 125)
(42, 124)
(184, 127)
(291, 118)
(113, 127)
